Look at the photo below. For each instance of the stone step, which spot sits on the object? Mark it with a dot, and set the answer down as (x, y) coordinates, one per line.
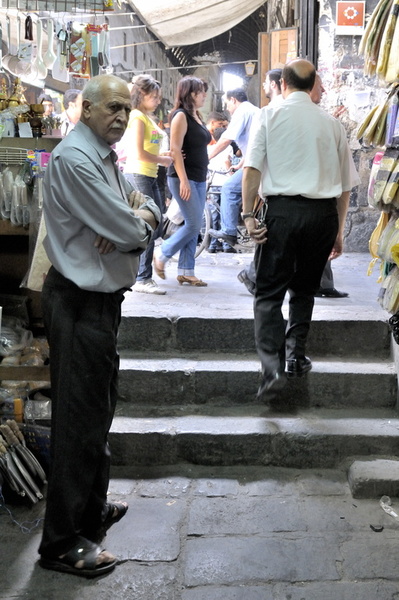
(316, 438)
(228, 379)
(374, 478)
(342, 336)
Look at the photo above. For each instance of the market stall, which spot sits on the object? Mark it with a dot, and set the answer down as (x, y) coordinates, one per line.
(64, 46)
(380, 130)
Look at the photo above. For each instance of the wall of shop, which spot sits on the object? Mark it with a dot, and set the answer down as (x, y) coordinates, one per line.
(349, 96)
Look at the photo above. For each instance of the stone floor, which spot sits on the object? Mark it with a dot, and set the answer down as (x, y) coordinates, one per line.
(226, 295)
(226, 533)
(196, 533)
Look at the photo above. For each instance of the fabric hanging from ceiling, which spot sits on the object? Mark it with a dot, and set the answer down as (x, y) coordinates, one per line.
(185, 22)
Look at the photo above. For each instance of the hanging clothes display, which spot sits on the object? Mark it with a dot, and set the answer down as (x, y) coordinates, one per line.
(380, 129)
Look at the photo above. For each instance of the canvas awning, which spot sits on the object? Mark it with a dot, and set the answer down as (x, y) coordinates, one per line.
(185, 22)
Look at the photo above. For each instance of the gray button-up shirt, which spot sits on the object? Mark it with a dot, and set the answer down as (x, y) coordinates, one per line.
(80, 201)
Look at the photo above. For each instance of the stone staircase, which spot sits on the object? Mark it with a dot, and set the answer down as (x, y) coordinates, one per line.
(189, 388)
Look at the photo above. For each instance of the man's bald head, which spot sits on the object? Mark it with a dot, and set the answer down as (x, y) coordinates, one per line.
(299, 74)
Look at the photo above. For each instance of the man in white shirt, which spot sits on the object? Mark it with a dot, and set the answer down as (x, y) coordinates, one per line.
(302, 157)
(272, 88)
(238, 130)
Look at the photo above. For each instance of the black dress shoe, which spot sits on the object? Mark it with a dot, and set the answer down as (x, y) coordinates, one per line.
(243, 277)
(296, 367)
(330, 293)
(218, 234)
(229, 250)
(271, 384)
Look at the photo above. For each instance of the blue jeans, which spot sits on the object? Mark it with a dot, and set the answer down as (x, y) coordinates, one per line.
(186, 237)
(214, 195)
(230, 203)
(148, 186)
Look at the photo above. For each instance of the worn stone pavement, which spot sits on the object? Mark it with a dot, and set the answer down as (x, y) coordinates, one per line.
(226, 533)
(197, 533)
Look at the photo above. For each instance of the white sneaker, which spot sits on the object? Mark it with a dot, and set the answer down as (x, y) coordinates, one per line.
(148, 287)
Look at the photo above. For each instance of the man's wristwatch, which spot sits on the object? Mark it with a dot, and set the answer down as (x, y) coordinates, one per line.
(247, 215)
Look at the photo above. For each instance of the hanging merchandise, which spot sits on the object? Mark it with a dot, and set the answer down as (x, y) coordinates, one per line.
(389, 297)
(38, 63)
(374, 241)
(60, 70)
(78, 50)
(371, 197)
(19, 64)
(380, 41)
(50, 57)
(379, 125)
(7, 57)
(388, 239)
(88, 49)
(383, 176)
(380, 129)
(99, 49)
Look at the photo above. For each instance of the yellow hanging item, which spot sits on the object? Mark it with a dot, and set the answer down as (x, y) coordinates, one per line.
(374, 239)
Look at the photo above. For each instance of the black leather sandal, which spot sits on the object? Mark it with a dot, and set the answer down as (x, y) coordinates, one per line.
(115, 512)
(85, 551)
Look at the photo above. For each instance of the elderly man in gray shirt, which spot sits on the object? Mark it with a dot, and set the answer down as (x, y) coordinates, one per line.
(94, 239)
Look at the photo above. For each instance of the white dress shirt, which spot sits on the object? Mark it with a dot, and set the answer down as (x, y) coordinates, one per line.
(240, 125)
(300, 149)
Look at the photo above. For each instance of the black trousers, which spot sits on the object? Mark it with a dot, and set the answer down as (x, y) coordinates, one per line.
(301, 234)
(81, 328)
(327, 279)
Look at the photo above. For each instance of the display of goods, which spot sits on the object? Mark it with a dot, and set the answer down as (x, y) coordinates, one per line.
(380, 127)
(380, 42)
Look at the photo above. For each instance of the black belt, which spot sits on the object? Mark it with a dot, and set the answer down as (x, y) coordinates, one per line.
(297, 197)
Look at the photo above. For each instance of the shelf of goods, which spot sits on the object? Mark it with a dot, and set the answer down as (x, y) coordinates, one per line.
(14, 250)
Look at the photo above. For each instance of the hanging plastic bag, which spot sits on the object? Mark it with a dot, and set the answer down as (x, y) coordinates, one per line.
(16, 212)
(385, 243)
(374, 241)
(7, 182)
(373, 174)
(386, 167)
(174, 213)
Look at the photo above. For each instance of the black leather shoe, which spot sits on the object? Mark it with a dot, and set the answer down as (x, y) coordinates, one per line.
(243, 277)
(218, 234)
(271, 384)
(214, 249)
(297, 367)
(330, 293)
(229, 249)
